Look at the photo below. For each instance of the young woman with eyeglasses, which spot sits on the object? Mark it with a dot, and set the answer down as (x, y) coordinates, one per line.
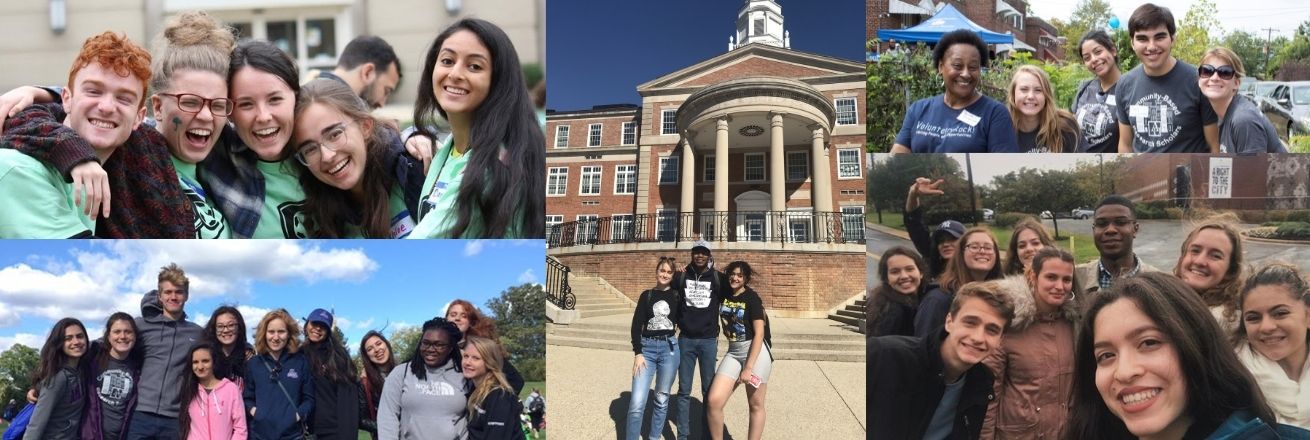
(977, 258)
(656, 351)
(226, 330)
(425, 397)
(279, 394)
(1243, 128)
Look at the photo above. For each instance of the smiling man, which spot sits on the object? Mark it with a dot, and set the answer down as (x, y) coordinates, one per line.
(165, 338)
(105, 101)
(1160, 107)
(1114, 226)
(370, 67)
(936, 387)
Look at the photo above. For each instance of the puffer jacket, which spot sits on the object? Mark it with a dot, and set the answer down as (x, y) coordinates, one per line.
(1033, 369)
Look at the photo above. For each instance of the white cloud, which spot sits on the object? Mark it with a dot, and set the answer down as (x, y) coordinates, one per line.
(527, 277)
(473, 247)
(365, 325)
(28, 339)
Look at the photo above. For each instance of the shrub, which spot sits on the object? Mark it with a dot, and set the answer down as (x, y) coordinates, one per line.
(1174, 213)
(1301, 215)
(1009, 219)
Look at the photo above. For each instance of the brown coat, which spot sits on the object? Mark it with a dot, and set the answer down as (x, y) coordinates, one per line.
(1033, 369)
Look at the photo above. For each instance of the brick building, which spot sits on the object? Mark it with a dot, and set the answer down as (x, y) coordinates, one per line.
(1252, 182)
(1003, 16)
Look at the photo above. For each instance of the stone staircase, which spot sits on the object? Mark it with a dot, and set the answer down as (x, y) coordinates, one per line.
(597, 298)
(852, 313)
(611, 334)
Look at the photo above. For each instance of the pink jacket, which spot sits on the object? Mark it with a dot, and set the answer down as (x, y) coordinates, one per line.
(218, 415)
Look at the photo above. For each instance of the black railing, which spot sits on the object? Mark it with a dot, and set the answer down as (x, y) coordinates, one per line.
(732, 226)
(557, 285)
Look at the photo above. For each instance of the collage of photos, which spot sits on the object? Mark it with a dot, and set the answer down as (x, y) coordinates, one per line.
(734, 219)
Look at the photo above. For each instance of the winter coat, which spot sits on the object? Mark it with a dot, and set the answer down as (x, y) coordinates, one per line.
(931, 314)
(275, 415)
(907, 382)
(217, 414)
(1289, 399)
(1033, 369)
(1088, 275)
(1243, 425)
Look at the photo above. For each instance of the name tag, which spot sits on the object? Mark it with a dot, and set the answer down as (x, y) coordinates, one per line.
(1109, 100)
(969, 118)
(1138, 111)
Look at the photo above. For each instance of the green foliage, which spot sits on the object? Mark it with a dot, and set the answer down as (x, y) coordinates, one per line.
(520, 314)
(894, 82)
(1293, 231)
(1195, 31)
(890, 178)
(1124, 44)
(1087, 15)
(1097, 177)
(1302, 216)
(403, 341)
(1295, 51)
(532, 73)
(1300, 144)
(16, 367)
(1029, 190)
(1250, 48)
(1009, 219)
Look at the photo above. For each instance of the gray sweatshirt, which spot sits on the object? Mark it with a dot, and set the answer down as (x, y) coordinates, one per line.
(165, 343)
(58, 408)
(429, 409)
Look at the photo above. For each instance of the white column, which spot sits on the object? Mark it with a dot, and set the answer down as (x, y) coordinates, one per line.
(822, 194)
(777, 165)
(721, 178)
(688, 176)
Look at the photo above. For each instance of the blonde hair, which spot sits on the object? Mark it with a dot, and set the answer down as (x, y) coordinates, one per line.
(1227, 291)
(1227, 56)
(174, 274)
(1052, 122)
(293, 331)
(192, 40)
(493, 357)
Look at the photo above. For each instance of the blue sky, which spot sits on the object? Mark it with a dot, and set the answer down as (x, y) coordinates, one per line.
(599, 51)
(371, 284)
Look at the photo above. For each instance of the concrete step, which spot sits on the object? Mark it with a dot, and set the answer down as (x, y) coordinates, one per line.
(849, 320)
(623, 329)
(858, 314)
(779, 352)
(780, 342)
(604, 312)
(602, 305)
(855, 308)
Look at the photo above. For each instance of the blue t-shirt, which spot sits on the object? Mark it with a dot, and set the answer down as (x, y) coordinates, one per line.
(943, 419)
(933, 127)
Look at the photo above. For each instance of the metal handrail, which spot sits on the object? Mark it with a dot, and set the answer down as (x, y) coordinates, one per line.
(731, 226)
(558, 291)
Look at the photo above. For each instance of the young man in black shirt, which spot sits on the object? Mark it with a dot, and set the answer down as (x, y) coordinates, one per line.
(701, 289)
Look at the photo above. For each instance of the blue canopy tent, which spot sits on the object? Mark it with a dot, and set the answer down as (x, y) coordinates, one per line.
(946, 20)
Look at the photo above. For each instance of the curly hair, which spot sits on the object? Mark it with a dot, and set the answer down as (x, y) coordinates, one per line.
(116, 53)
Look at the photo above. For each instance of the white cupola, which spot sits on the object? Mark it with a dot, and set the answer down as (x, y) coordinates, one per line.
(760, 21)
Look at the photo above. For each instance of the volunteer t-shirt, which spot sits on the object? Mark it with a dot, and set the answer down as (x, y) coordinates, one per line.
(1245, 129)
(209, 221)
(1167, 113)
(1028, 142)
(37, 202)
(1097, 119)
(114, 387)
(931, 126)
(737, 314)
(284, 199)
(402, 223)
(437, 210)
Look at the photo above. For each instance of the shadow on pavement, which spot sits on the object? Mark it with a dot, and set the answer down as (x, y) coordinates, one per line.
(619, 413)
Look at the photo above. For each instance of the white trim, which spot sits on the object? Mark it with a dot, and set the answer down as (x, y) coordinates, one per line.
(599, 129)
(707, 222)
(582, 180)
(623, 134)
(632, 179)
(764, 167)
(557, 217)
(659, 221)
(672, 162)
(631, 219)
(665, 114)
(859, 164)
(805, 165)
(564, 182)
(707, 167)
(855, 109)
(564, 130)
(800, 214)
(591, 232)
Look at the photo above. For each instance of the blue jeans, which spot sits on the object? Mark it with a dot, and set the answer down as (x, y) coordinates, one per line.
(152, 426)
(694, 350)
(661, 364)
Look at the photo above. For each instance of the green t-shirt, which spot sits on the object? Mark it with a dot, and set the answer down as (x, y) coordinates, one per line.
(281, 216)
(437, 204)
(402, 223)
(37, 202)
(209, 221)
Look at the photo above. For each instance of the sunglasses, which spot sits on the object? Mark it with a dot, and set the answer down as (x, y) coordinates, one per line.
(1225, 72)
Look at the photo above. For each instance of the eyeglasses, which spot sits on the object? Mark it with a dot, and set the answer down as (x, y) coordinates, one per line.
(194, 103)
(226, 327)
(975, 247)
(332, 139)
(433, 345)
(1225, 72)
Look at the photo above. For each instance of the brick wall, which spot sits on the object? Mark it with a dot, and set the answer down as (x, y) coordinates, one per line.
(756, 67)
(604, 205)
(611, 133)
(790, 283)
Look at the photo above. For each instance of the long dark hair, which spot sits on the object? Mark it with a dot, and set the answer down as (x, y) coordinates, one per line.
(882, 297)
(374, 376)
(328, 358)
(328, 209)
(230, 366)
(1013, 265)
(265, 57)
(505, 171)
(191, 384)
(1217, 383)
(52, 353)
(416, 364)
(103, 346)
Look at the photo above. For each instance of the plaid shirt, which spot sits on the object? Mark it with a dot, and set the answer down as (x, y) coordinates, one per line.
(229, 175)
(1104, 278)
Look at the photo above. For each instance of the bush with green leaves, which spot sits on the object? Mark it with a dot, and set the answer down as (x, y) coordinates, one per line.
(1010, 219)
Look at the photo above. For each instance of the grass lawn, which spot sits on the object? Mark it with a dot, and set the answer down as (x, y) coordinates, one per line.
(1079, 244)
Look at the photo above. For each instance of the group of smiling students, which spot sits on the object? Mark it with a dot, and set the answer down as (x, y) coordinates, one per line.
(240, 149)
(1038, 346)
(160, 376)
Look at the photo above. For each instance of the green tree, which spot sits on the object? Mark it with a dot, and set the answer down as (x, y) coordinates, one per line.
(16, 367)
(520, 314)
(1250, 49)
(403, 341)
(894, 82)
(1195, 31)
(889, 182)
(1295, 52)
(1028, 191)
(1087, 15)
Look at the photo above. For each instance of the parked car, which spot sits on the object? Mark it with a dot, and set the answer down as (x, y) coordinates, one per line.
(1082, 213)
(1045, 214)
(1247, 88)
(1265, 88)
(1288, 108)
(988, 214)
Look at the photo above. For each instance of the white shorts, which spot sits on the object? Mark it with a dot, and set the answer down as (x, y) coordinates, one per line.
(738, 351)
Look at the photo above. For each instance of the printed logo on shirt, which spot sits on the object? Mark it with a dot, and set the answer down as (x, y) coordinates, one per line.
(732, 314)
(209, 222)
(698, 294)
(925, 129)
(1153, 120)
(114, 387)
(659, 319)
(293, 219)
(1096, 121)
(437, 389)
(292, 374)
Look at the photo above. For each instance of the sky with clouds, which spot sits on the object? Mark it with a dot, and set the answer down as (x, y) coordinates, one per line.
(370, 284)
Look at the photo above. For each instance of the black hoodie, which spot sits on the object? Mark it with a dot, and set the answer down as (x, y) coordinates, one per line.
(701, 293)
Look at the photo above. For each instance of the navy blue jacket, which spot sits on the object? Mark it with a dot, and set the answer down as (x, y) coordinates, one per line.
(275, 418)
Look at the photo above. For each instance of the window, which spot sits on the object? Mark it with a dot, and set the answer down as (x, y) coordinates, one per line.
(753, 225)
(668, 170)
(759, 26)
(754, 167)
(590, 181)
(848, 163)
(709, 223)
(708, 173)
(629, 133)
(586, 229)
(621, 227)
(798, 165)
(666, 223)
(552, 228)
(561, 136)
(557, 181)
(846, 111)
(625, 179)
(852, 223)
(308, 38)
(668, 122)
(798, 226)
(593, 135)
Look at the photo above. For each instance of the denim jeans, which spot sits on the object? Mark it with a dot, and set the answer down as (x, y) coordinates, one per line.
(694, 352)
(152, 426)
(661, 364)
